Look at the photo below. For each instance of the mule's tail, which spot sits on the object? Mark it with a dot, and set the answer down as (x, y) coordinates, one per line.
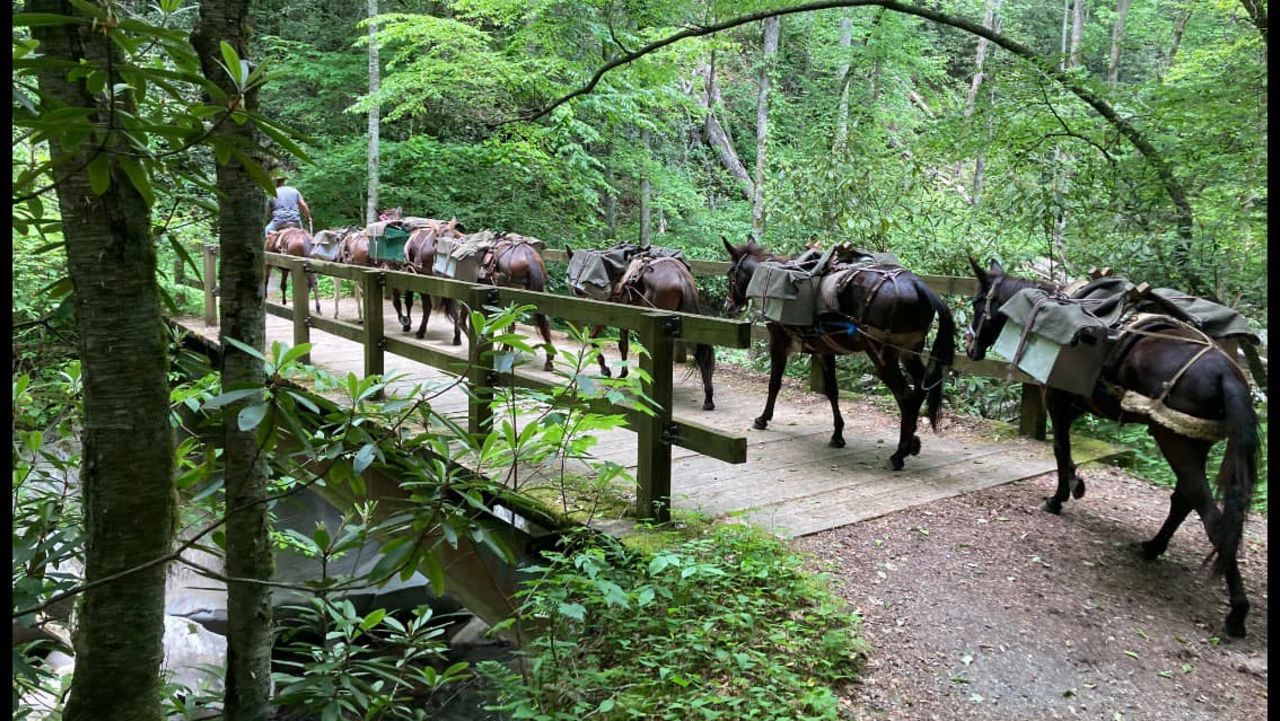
(1239, 468)
(942, 355)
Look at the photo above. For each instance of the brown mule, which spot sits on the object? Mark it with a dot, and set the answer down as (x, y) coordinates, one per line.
(662, 283)
(884, 311)
(420, 256)
(291, 240)
(1199, 383)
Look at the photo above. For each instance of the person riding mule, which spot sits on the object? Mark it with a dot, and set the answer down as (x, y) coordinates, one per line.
(287, 208)
(645, 276)
(1170, 375)
(881, 309)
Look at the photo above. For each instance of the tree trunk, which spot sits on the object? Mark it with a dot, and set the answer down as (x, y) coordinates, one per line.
(248, 546)
(1066, 25)
(371, 210)
(717, 136)
(1077, 33)
(610, 202)
(987, 22)
(1117, 36)
(772, 26)
(842, 115)
(644, 190)
(127, 467)
(1179, 27)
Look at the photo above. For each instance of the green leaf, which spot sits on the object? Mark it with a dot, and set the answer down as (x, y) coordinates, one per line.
(138, 176)
(250, 417)
(100, 173)
(232, 59)
(229, 397)
(33, 20)
(364, 457)
(373, 619)
(576, 611)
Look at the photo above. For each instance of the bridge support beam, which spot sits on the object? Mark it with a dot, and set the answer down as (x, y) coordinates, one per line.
(373, 282)
(480, 376)
(654, 432)
(1031, 422)
(301, 311)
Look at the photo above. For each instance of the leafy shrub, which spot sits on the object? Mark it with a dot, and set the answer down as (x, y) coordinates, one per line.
(726, 625)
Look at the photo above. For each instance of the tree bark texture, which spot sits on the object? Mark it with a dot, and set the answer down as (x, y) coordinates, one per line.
(769, 49)
(127, 467)
(1066, 26)
(1179, 26)
(371, 209)
(240, 277)
(842, 114)
(1117, 40)
(988, 21)
(717, 136)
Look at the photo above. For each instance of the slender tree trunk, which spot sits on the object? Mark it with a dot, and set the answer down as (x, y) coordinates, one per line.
(1117, 38)
(1077, 33)
(371, 211)
(247, 694)
(1066, 26)
(717, 136)
(644, 190)
(610, 197)
(991, 20)
(842, 115)
(772, 25)
(127, 464)
(1179, 26)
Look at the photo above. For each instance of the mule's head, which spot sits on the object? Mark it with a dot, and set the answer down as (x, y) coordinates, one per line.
(985, 322)
(743, 260)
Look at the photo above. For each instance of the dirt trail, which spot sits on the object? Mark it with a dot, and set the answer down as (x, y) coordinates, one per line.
(983, 606)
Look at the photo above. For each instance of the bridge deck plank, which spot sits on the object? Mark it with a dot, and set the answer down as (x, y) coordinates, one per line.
(792, 483)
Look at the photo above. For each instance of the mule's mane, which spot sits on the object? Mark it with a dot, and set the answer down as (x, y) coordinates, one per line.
(1009, 285)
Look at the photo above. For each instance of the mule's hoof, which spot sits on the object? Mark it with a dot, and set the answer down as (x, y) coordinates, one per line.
(1052, 505)
(836, 442)
(895, 463)
(708, 406)
(406, 327)
(623, 373)
(1149, 551)
(915, 445)
(1077, 488)
(604, 371)
(760, 424)
(548, 366)
(457, 341)
(420, 334)
(1235, 619)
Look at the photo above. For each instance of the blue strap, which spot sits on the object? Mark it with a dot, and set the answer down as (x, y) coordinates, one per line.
(848, 326)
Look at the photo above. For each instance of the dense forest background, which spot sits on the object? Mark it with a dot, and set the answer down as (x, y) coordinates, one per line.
(883, 129)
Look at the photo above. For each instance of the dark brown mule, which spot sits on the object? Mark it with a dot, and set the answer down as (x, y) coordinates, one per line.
(514, 262)
(661, 284)
(291, 240)
(420, 256)
(1198, 380)
(885, 312)
(330, 236)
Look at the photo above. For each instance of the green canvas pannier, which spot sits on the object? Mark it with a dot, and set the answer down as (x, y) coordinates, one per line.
(389, 246)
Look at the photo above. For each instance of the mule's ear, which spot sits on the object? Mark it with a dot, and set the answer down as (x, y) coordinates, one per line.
(995, 269)
(568, 252)
(733, 253)
(752, 246)
(978, 272)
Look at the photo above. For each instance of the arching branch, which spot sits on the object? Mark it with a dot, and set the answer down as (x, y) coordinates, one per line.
(1183, 215)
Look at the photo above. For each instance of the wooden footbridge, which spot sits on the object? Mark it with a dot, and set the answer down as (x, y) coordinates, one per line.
(785, 478)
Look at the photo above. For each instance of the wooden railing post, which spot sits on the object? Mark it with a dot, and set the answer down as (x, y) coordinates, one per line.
(654, 432)
(373, 282)
(480, 376)
(301, 311)
(209, 282)
(815, 374)
(1031, 421)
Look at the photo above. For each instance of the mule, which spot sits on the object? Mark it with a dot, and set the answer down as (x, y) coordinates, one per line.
(663, 283)
(332, 237)
(420, 256)
(291, 240)
(514, 262)
(1160, 357)
(885, 312)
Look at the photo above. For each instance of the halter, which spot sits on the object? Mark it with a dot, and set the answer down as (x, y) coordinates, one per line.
(986, 310)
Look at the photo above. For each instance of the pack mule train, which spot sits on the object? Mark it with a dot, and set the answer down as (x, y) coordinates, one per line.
(290, 239)
(644, 276)
(1171, 376)
(856, 305)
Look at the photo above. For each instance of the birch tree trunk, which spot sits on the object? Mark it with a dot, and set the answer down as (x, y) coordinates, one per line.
(842, 114)
(1117, 38)
(371, 210)
(1077, 33)
(644, 190)
(127, 460)
(1066, 25)
(241, 205)
(990, 20)
(1179, 26)
(717, 136)
(772, 26)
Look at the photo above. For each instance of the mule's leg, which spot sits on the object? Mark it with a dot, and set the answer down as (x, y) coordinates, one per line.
(544, 329)
(624, 345)
(779, 345)
(833, 395)
(426, 315)
(408, 311)
(284, 286)
(458, 312)
(337, 294)
(705, 357)
(604, 369)
(1187, 457)
(908, 400)
(315, 289)
(1063, 412)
